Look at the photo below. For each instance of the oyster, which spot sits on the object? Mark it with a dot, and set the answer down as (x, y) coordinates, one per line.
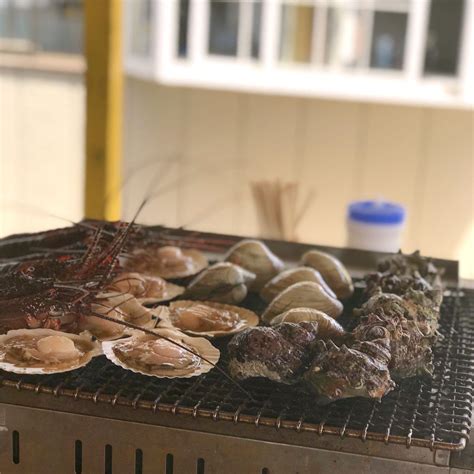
(146, 289)
(343, 372)
(328, 328)
(44, 351)
(207, 318)
(223, 282)
(303, 294)
(280, 354)
(158, 357)
(288, 277)
(166, 262)
(332, 270)
(257, 258)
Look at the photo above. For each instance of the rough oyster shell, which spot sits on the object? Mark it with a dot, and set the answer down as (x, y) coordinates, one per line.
(328, 328)
(147, 289)
(257, 258)
(332, 270)
(303, 294)
(86, 338)
(289, 277)
(151, 261)
(199, 345)
(223, 282)
(247, 318)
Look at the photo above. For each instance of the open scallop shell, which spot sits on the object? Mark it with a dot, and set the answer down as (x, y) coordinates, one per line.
(303, 294)
(147, 289)
(328, 328)
(332, 270)
(247, 318)
(257, 258)
(199, 345)
(223, 282)
(289, 277)
(95, 350)
(149, 261)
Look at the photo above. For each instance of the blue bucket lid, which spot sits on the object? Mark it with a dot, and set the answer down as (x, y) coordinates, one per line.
(376, 212)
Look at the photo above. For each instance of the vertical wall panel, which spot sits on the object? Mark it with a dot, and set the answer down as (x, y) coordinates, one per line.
(328, 165)
(393, 154)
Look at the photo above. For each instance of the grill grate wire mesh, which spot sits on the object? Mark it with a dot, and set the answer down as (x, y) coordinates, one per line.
(427, 412)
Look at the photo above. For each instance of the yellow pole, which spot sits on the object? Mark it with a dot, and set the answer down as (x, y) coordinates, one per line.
(104, 85)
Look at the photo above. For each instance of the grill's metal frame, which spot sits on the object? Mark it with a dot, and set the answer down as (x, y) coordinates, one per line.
(239, 422)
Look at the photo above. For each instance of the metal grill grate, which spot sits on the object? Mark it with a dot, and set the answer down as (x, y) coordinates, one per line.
(427, 412)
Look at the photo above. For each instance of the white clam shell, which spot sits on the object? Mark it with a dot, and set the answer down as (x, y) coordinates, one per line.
(289, 277)
(247, 318)
(257, 258)
(328, 328)
(223, 282)
(95, 350)
(332, 270)
(200, 345)
(303, 294)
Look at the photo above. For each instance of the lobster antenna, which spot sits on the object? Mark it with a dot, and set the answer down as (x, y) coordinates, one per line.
(155, 334)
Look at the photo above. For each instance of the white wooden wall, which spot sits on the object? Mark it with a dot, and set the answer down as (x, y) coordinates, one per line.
(41, 150)
(211, 144)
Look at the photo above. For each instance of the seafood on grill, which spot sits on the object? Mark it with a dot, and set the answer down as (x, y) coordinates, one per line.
(328, 328)
(280, 353)
(306, 294)
(167, 354)
(223, 282)
(208, 318)
(356, 371)
(332, 270)
(289, 277)
(146, 289)
(168, 262)
(258, 259)
(44, 351)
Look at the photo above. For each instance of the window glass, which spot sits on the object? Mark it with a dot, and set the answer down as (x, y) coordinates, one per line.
(444, 37)
(183, 28)
(388, 40)
(296, 33)
(42, 25)
(140, 27)
(256, 28)
(223, 27)
(346, 37)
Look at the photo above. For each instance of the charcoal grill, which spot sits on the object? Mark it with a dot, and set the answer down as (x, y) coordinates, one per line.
(102, 419)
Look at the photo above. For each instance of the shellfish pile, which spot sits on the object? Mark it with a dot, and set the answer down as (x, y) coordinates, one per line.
(109, 289)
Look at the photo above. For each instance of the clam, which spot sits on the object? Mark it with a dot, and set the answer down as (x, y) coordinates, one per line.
(158, 357)
(306, 294)
(166, 262)
(257, 258)
(328, 328)
(287, 278)
(208, 318)
(223, 282)
(44, 351)
(147, 289)
(332, 270)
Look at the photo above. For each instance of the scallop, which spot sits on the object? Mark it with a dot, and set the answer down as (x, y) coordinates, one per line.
(328, 328)
(147, 289)
(257, 258)
(103, 329)
(332, 270)
(169, 354)
(287, 278)
(306, 294)
(167, 262)
(44, 351)
(210, 319)
(223, 282)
